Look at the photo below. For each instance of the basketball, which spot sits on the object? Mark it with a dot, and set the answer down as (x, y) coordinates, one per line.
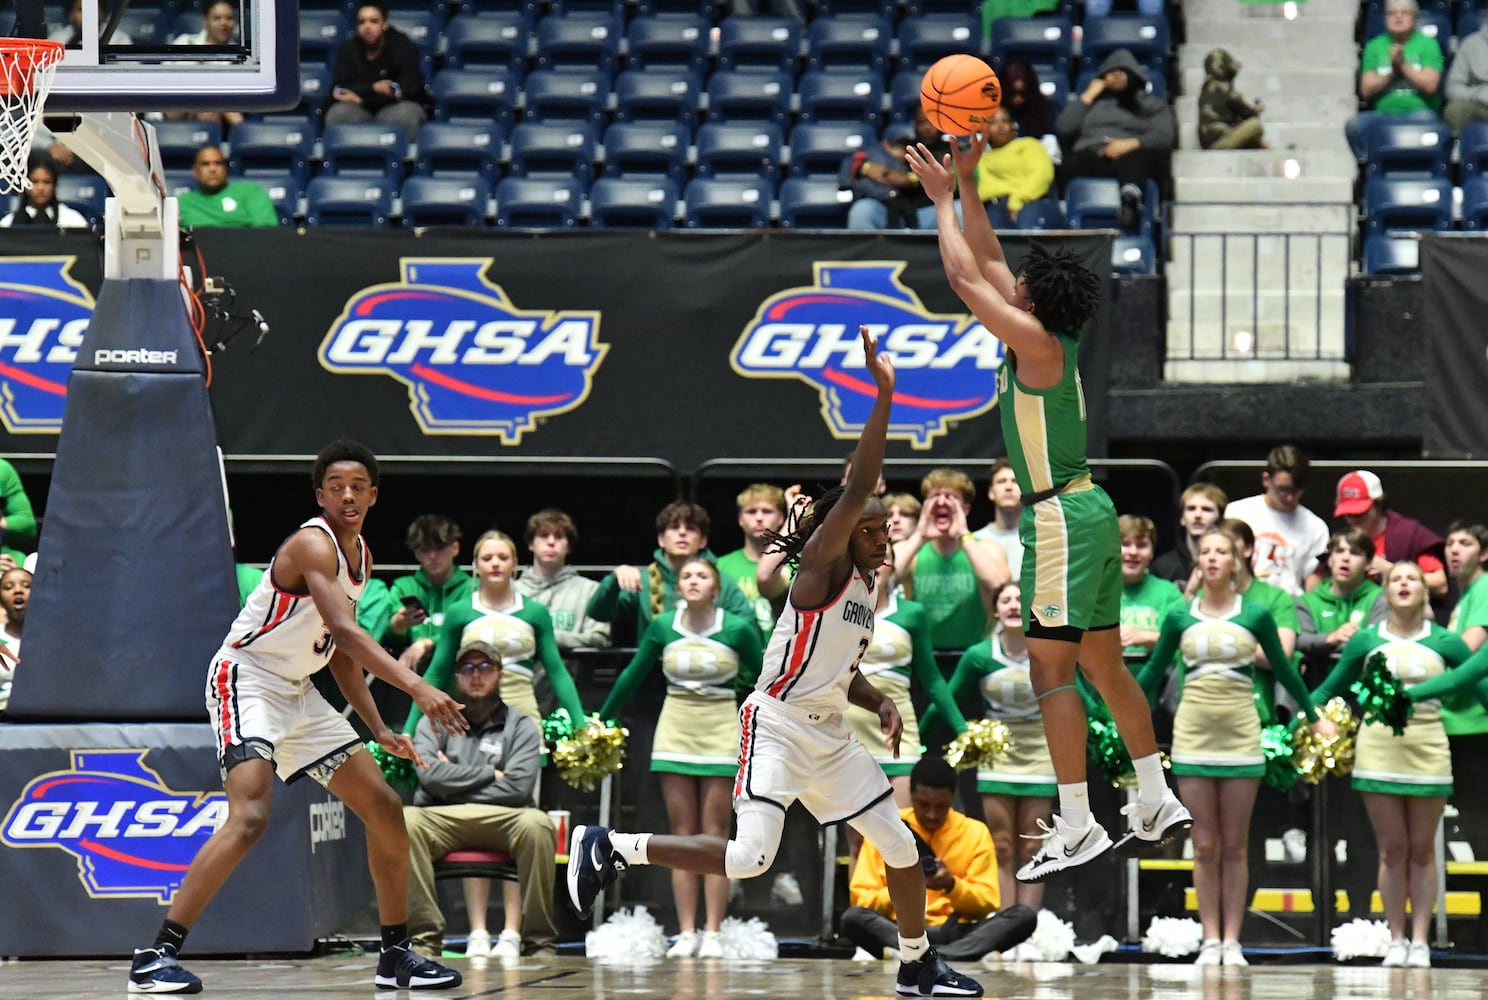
(960, 93)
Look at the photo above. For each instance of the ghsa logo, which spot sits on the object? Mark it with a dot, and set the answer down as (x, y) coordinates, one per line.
(44, 314)
(946, 365)
(132, 836)
(473, 362)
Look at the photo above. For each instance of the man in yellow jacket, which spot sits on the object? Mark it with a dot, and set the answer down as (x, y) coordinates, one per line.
(962, 918)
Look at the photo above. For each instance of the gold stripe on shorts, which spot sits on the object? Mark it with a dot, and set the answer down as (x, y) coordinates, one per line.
(1050, 597)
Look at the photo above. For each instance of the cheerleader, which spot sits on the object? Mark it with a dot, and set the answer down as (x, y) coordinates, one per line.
(1216, 753)
(707, 656)
(1405, 780)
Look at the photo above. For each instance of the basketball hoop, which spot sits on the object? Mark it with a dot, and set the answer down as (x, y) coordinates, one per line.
(27, 66)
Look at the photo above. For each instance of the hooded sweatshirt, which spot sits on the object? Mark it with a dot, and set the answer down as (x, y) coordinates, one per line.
(566, 595)
(1221, 106)
(1321, 610)
(1134, 114)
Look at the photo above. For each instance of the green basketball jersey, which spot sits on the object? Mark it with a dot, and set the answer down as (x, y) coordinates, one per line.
(1044, 429)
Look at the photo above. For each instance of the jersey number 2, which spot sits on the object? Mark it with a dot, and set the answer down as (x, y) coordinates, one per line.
(862, 651)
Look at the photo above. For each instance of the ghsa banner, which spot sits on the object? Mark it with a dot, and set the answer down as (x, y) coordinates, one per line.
(946, 364)
(44, 314)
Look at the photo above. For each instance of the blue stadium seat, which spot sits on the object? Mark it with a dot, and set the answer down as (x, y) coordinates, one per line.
(671, 95)
(1385, 254)
(444, 201)
(650, 203)
(813, 203)
(1095, 203)
(668, 41)
(1391, 205)
(480, 95)
(1146, 38)
(614, 9)
(754, 42)
(840, 95)
(1469, 19)
(148, 25)
(559, 149)
(750, 149)
(923, 40)
(1472, 150)
(817, 149)
(538, 202)
(1045, 42)
(459, 149)
(315, 89)
(527, 8)
(85, 192)
(935, 8)
(566, 95)
(710, 9)
(349, 201)
(177, 183)
(273, 147)
(422, 25)
(904, 94)
(1041, 214)
(180, 140)
(713, 203)
(285, 192)
(581, 41)
(321, 34)
(887, 9)
(490, 40)
(1474, 203)
(1130, 254)
(853, 42)
(365, 149)
(657, 149)
(735, 95)
(1415, 148)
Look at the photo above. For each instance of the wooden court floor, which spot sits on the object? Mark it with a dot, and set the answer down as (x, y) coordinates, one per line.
(344, 977)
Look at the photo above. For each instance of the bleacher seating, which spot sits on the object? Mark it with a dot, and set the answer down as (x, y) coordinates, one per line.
(713, 203)
(735, 150)
(85, 192)
(458, 149)
(1392, 205)
(580, 41)
(1047, 43)
(273, 147)
(538, 202)
(741, 95)
(622, 201)
(1472, 150)
(1387, 254)
(657, 149)
(923, 40)
(1147, 39)
(813, 203)
(1407, 148)
(365, 149)
(668, 41)
(444, 201)
(559, 149)
(349, 201)
(658, 94)
(818, 148)
(852, 42)
(759, 43)
(315, 89)
(838, 95)
(321, 34)
(1475, 204)
(285, 192)
(565, 95)
(180, 140)
(475, 95)
(490, 40)
(1131, 254)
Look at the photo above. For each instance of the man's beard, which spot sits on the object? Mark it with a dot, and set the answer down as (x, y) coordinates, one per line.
(478, 709)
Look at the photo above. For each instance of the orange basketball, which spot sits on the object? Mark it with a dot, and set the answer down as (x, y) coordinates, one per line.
(960, 93)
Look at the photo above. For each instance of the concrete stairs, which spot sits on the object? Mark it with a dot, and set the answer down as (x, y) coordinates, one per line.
(1261, 241)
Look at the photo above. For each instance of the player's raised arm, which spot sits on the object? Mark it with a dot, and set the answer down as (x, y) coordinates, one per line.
(977, 226)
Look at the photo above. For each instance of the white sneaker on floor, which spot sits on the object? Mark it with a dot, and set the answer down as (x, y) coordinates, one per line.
(478, 944)
(1419, 956)
(1211, 952)
(786, 890)
(1064, 847)
(710, 945)
(1151, 827)
(685, 946)
(508, 945)
(863, 955)
(1232, 954)
(1395, 953)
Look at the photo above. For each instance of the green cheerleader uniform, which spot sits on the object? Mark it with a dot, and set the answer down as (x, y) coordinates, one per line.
(1419, 761)
(901, 644)
(1007, 691)
(697, 732)
(1217, 727)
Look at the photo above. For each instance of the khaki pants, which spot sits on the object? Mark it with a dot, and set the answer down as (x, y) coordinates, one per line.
(524, 833)
(1246, 135)
(1460, 114)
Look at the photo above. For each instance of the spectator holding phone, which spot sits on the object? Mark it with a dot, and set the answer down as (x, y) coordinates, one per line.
(379, 76)
(419, 601)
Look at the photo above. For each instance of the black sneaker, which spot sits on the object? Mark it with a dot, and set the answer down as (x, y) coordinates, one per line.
(402, 968)
(155, 970)
(1130, 215)
(931, 977)
(592, 866)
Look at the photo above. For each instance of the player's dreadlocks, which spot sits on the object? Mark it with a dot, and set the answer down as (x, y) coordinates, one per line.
(1064, 291)
(800, 524)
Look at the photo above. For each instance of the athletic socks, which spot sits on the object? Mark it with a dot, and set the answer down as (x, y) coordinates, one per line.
(173, 934)
(1074, 805)
(631, 847)
(913, 949)
(394, 935)
(1151, 785)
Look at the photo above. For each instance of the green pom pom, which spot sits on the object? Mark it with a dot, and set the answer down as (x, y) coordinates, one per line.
(1382, 699)
(397, 770)
(557, 726)
(1107, 751)
(1276, 745)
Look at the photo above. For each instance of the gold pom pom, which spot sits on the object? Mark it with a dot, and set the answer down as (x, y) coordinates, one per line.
(1319, 756)
(592, 752)
(981, 746)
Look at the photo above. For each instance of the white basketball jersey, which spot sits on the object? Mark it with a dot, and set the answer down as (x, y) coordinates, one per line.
(812, 654)
(283, 633)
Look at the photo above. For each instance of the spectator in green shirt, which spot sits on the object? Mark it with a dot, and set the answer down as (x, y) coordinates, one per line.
(761, 511)
(1331, 613)
(218, 202)
(421, 600)
(1400, 73)
(17, 519)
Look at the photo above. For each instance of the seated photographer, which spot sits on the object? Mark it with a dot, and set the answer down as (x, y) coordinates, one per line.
(962, 918)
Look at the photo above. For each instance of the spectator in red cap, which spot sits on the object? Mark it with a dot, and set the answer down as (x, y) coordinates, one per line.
(1361, 502)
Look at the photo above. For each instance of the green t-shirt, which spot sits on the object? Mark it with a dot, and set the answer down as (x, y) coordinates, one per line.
(15, 507)
(1462, 715)
(947, 586)
(1044, 429)
(1143, 606)
(737, 566)
(242, 205)
(1400, 96)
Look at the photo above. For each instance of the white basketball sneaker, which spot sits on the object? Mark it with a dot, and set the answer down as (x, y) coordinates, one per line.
(1064, 847)
(1151, 828)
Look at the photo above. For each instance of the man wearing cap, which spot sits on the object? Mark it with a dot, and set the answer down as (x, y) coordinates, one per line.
(1361, 502)
(1289, 537)
(886, 194)
(477, 793)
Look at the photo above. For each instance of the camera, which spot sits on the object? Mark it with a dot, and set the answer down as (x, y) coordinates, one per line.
(929, 863)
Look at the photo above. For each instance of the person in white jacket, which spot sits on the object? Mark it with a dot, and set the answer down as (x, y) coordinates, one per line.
(39, 206)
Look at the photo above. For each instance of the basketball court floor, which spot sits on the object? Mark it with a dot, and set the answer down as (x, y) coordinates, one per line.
(344, 977)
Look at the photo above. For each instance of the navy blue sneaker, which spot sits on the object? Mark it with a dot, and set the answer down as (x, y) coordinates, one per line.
(402, 968)
(592, 866)
(931, 977)
(155, 970)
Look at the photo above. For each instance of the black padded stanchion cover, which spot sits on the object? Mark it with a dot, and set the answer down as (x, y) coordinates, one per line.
(134, 585)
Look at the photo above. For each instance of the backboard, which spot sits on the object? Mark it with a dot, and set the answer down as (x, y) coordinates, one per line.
(161, 56)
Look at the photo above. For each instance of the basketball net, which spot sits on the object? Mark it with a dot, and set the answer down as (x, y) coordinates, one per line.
(27, 66)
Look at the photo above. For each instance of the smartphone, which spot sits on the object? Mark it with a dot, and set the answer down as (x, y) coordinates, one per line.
(414, 604)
